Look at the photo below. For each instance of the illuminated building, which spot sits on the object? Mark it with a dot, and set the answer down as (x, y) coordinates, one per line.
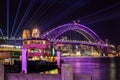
(9, 53)
(34, 49)
(26, 34)
(35, 33)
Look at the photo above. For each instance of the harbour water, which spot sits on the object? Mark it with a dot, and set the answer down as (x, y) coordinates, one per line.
(100, 68)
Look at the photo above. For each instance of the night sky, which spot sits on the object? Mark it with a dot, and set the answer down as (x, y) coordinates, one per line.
(102, 16)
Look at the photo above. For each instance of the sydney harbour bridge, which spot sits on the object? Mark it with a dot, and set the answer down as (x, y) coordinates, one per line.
(73, 32)
(68, 34)
(90, 37)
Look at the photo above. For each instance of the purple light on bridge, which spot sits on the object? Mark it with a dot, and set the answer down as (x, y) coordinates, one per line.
(54, 33)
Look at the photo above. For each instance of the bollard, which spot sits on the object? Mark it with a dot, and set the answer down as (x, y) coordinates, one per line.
(67, 71)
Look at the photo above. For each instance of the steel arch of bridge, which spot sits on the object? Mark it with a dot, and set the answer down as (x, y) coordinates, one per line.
(90, 35)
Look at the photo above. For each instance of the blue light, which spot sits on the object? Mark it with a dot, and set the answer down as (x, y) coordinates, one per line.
(70, 10)
(99, 12)
(1, 32)
(8, 17)
(2, 35)
(16, 17)
(24, 17)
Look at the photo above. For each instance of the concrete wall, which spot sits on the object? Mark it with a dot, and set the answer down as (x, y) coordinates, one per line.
(15, 76)
(1, 71)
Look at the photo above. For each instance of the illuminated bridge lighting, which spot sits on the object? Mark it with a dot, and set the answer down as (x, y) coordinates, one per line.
(10, 48)
(76, 42)
(53, 36)
(85, 31)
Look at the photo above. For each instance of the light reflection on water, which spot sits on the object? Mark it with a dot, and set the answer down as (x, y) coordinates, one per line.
(100, 68)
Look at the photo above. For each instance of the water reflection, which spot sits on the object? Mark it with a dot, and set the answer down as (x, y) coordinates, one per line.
(100, 68)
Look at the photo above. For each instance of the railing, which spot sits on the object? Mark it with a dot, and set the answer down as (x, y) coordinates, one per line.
(76, 42)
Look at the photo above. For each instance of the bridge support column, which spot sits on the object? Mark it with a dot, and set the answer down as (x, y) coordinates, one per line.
(24, 60)
(58, 59)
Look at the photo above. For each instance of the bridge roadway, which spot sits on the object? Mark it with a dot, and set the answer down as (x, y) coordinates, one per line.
(68, 42)
(77, 42)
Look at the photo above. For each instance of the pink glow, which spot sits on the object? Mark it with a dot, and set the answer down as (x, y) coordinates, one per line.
(35, 54)
(24, 60)
(58, 59)
(34, 45)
